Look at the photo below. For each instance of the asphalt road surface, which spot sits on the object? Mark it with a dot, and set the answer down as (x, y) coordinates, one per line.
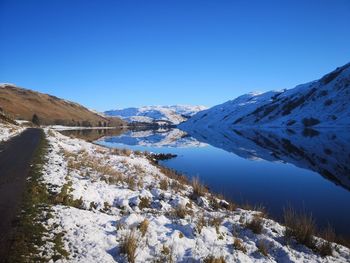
(15, 160)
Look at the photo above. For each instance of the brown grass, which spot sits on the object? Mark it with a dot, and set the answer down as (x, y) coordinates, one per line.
(129, 245)
(201, 222)
(166, 255)
(172, 174)
(176, 186)
(325, 249)
(299, 226)
(131, 182)
(238, 244)
(163, 184)
(145, 202)
(143, 227)
(213, 259)
(216, 222)
(198, 188)
(122, 152)
(256, 224)
(263, 248)
(214, 203)
(180, 212)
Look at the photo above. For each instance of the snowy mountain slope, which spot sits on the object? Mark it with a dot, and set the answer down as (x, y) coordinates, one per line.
(323, 103)
(153, 114)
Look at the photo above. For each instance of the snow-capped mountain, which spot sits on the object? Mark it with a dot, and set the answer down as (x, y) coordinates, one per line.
(324, 102)
(157, 114)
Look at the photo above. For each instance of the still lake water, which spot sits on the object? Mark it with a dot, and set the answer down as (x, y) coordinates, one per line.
(306, 169)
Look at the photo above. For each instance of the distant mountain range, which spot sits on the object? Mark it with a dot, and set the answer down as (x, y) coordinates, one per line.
(19, 103)
(156, 114)
(321, 103)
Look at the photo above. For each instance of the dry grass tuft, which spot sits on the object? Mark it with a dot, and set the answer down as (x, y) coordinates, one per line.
(214, 203)
(201, 222)
(129, 245)
(213, 259)
(263, 248)
(163, 184)
(256, 224)
(172, 174)
(198, 188)
(216, 222)
(143, 227)
(123, 152)
(238, 244)
(131, 182)
(145, 202)
(299, 226)
(166, 255)
(176, 186)
(325, 248)
(180, 212)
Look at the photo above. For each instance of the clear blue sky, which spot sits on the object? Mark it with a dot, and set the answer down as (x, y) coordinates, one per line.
(109, 54)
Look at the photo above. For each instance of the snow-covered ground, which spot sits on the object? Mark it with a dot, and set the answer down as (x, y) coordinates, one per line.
(150, 114)
(118, 194)
(7, 131)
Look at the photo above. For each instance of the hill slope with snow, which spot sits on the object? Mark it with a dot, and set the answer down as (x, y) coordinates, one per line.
(323, 103)
(157, 114)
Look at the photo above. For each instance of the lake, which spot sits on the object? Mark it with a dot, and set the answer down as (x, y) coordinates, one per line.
(306, 169)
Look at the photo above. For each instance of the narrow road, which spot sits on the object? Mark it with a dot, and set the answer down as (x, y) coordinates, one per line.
(15, 160)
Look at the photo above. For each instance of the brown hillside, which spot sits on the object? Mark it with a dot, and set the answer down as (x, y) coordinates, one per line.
(5, 119)
(22, 104)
